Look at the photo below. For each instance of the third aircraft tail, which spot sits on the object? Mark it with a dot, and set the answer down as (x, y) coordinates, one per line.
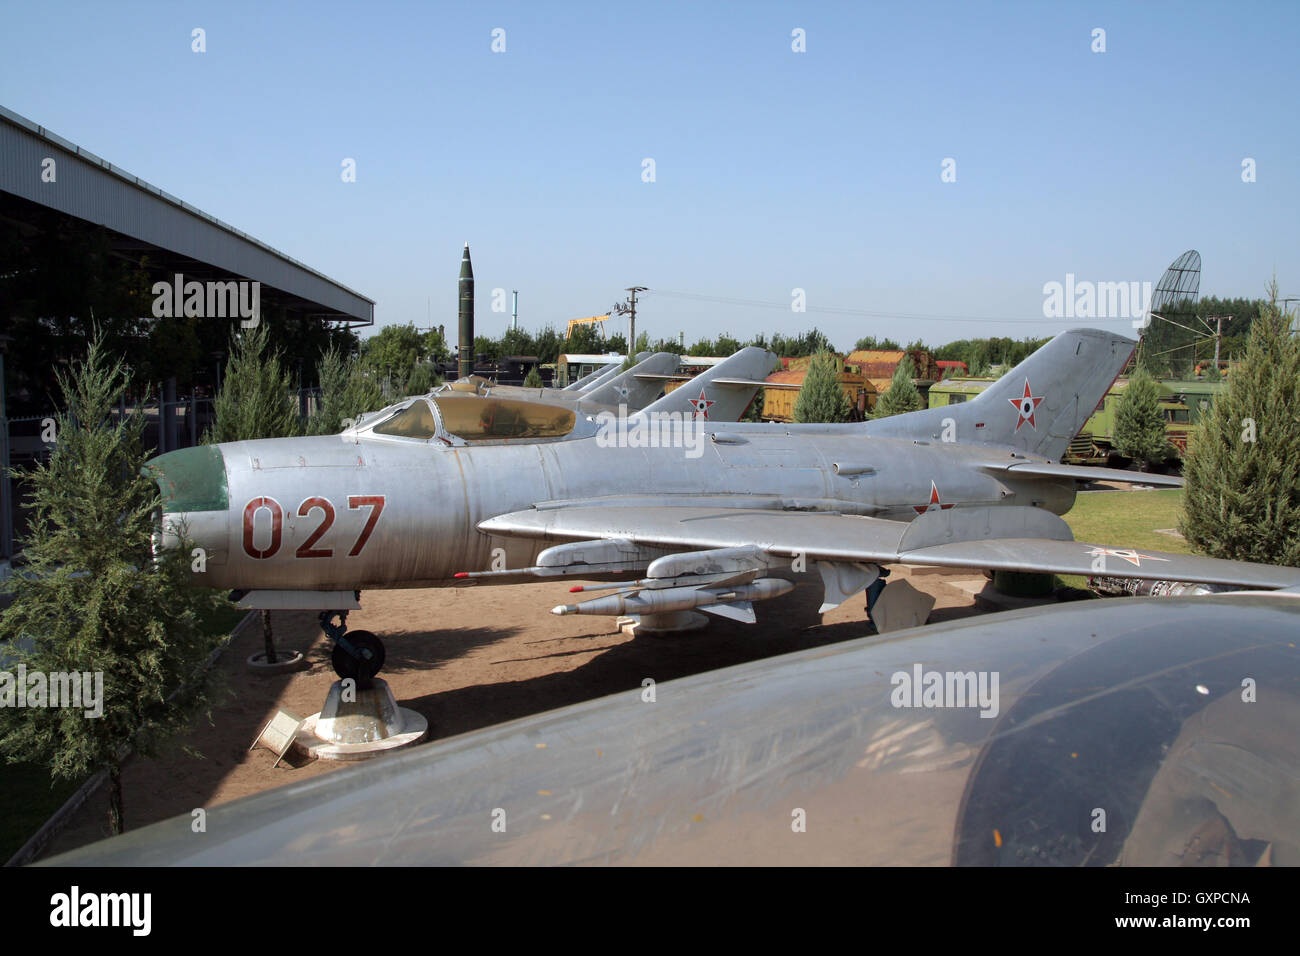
(1035, 408)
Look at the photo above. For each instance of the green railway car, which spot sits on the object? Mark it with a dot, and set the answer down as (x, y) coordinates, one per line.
(953, 391)
(1197, 396)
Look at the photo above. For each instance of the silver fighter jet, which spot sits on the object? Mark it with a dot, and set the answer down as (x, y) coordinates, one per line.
(708, 516)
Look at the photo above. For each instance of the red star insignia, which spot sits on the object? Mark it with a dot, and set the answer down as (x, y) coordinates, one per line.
(701, 405)
(934, 500)
(1026, 405)
(1128, 554)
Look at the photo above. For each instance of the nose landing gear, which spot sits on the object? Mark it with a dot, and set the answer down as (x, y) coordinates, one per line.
(362, 720)
(357, 654)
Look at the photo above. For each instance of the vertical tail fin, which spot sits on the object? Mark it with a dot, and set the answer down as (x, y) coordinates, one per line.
(723, 392)
(638, 386)
(594, 378)
(1036, 408)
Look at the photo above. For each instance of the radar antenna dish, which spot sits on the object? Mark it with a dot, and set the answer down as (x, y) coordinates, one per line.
(1173, 304)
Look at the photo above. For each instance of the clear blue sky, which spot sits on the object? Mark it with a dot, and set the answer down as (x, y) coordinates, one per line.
(774, 169)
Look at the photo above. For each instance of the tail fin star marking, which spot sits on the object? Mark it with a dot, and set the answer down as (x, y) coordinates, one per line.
(1025, 406)
(701, 405)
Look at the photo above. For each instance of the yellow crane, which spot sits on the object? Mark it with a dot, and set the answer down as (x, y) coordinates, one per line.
(589, 320)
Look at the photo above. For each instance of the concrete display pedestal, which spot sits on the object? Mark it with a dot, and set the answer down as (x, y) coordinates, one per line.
(671, 622)
(354, 730)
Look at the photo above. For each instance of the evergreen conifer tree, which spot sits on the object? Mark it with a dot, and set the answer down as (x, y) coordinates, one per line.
(1139, 422)
(1242, 470)
(255, 402)
(348, 389)
(821, 398)
(94, 598)
(902, 395)
(421, 379)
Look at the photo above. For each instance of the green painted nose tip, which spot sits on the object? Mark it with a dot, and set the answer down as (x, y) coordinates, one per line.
(192, 479)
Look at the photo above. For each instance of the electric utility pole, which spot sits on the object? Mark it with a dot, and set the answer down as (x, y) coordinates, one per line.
(1218, 336)
(629, 308)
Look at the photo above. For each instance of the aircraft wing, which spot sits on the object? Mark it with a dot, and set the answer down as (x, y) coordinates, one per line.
(734, 382)
(1043, 469)
(998, 538)
(742, 382)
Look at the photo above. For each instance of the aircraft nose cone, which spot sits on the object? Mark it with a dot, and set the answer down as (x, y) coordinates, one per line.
(191, 479)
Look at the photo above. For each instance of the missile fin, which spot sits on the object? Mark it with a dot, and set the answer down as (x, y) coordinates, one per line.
(843, 579)
(741, 611)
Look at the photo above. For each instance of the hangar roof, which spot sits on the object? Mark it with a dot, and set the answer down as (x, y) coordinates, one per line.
(146, 220)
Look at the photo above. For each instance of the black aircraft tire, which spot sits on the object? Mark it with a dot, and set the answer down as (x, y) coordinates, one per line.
(345, 665)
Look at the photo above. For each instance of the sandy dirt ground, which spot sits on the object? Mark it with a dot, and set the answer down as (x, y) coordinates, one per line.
(464, 658)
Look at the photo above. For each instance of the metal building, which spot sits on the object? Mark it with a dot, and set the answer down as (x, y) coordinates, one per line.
(41, 171)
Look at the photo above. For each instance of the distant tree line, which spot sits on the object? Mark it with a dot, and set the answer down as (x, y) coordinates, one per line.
(54, 286)
(1172, 346)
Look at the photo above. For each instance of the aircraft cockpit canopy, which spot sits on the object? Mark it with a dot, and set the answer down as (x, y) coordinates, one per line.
(476, 384)
(414, 421)
(474, 419)
(485, 419)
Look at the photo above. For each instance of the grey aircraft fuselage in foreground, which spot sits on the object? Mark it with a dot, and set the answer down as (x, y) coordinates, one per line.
(427, 491)
(988, 741)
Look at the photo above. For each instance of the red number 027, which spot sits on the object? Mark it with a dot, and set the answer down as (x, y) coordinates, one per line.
(307, 549)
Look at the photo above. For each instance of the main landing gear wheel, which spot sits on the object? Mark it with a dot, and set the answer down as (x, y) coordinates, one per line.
(367, 661)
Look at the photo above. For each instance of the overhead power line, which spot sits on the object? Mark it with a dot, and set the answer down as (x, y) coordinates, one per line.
(863, 313)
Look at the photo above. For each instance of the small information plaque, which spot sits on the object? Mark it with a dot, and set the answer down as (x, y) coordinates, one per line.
(277, 736)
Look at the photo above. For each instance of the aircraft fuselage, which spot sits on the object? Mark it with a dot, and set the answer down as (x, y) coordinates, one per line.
(341, 513)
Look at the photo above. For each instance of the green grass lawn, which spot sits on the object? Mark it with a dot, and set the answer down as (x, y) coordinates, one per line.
(1128, 519)
(1125, 519)
(28, 795)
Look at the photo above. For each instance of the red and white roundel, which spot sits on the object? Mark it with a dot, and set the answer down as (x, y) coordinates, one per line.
(701, 405)
(1025, 406)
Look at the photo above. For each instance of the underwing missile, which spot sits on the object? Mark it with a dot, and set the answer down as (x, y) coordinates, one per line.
(677, 599)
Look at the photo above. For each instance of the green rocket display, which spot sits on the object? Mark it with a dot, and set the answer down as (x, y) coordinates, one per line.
(465, 352)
